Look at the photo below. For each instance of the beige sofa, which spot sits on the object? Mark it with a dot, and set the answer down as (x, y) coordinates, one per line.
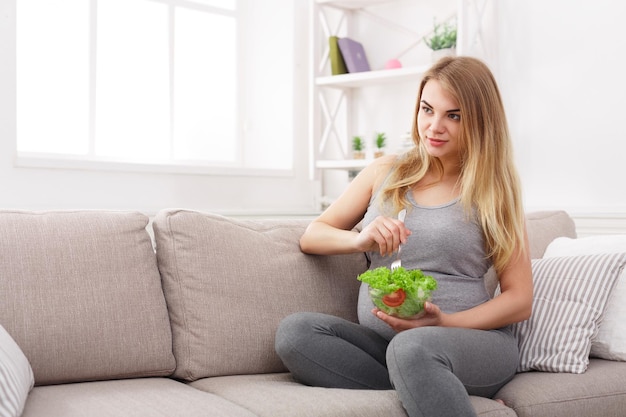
(112, 327)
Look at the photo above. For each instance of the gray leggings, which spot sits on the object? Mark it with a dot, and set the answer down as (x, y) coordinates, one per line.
(432, 368)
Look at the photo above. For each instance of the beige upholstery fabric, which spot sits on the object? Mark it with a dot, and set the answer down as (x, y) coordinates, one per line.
(142, 397)
(543, 227)
(600, 392)
(277, 395)
(228, 283)
(80, 293)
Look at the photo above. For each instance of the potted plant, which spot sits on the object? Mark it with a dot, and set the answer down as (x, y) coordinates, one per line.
(442, 41)
(357, 148)
(380, 142)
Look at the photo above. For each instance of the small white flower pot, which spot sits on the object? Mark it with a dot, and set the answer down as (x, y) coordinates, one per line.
(440, 53)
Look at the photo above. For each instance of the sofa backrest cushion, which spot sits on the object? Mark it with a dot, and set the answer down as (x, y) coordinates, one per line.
(80, 293)
(542, 227)
(228, 283)
(545, 226)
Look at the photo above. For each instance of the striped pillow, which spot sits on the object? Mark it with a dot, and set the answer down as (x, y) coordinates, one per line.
(610, 343)
(16, 376)
(570, 298)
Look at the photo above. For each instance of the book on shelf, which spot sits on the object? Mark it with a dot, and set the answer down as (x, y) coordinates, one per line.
(353, 54)
(337, 64)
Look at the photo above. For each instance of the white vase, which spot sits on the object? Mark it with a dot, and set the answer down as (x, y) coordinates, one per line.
(440, 53)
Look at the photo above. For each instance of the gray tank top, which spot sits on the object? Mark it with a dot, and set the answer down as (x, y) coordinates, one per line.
(444, 243)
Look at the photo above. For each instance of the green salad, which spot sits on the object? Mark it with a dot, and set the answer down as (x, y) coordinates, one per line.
(400, 292)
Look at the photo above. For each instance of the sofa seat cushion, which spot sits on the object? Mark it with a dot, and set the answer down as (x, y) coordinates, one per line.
(229, 282)
(599, 392)
(81, 295)
(278, 395)
(154, 397)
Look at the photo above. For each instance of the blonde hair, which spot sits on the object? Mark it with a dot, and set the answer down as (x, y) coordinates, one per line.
(488, 182)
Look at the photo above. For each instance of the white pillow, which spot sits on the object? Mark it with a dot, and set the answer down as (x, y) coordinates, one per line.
(610, 343)
(570, 297)
(16, 376)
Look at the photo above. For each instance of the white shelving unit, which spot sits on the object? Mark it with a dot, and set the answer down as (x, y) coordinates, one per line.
(336, 99)
(349, 164)
(350, 4)
(346, 82)
(331, 118)
(364, 79)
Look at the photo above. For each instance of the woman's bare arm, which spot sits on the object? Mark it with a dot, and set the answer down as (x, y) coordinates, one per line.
(332, 232)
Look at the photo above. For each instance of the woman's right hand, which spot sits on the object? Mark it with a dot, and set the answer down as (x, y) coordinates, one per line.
(333, 231)
(384, 235)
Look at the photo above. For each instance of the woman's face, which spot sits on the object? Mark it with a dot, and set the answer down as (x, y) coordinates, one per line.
(439, 123)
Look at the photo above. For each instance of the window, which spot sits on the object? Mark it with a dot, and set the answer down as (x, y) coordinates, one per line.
(146, 81)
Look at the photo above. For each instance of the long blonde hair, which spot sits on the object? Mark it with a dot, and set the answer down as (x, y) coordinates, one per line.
(488, 181)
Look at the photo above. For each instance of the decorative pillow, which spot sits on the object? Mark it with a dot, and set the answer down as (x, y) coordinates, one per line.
(610, 343)
(16, 376)
(570, 298)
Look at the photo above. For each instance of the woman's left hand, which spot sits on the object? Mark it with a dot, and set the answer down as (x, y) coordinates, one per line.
(430, 316)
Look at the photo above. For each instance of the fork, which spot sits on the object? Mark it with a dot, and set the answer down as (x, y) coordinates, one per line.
(398, 263)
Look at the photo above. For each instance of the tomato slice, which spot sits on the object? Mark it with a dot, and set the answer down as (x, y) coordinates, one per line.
(395, 299)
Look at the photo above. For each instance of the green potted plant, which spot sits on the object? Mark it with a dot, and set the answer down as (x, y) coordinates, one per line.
(358, 151)
(442, 40)
(380, 141)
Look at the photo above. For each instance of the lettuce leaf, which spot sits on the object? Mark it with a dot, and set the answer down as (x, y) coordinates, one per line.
(383, 281)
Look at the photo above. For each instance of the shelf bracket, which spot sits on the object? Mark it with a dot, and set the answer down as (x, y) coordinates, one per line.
(330, 126)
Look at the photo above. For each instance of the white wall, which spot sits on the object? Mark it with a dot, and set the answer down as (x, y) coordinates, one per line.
(561, 67)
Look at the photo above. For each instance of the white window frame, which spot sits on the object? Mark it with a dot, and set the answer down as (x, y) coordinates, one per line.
(91, 161)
